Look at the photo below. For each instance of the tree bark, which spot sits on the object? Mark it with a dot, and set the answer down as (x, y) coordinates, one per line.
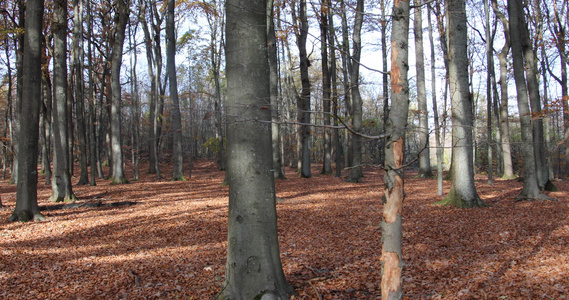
(531, 188)
(391, 257)
(26, 196)
(254, 269)
(176, 118)
(463, 191)
(77, 50)
(304, 99)
(61, 188)
(355, 171)
(120, 21)
(274, 88)
(425, 154)
(326, 86)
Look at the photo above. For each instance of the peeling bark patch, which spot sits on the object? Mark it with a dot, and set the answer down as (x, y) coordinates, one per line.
(391, 279)
(395, 70)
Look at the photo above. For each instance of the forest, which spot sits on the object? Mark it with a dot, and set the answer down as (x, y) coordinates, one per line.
(262, 149)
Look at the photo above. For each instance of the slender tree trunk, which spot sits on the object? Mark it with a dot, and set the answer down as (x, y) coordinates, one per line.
(254, 269)
(120, 21)
(26, 196)
(439, 140)
(304, 100)
(91, 98)
(356, 172)
(176, 118)
(17, 104)
(338, 149)
(531, 188)
(45, 126)
(504, 118)
(274, 88)
(425, 154)
(326, 86)
(345, 50)
(391, 257)
(490, 64)
(385, 77)
(61, 188)
(80, 88)
(463, 191)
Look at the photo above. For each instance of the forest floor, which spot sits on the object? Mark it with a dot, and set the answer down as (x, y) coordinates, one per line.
(171, 244)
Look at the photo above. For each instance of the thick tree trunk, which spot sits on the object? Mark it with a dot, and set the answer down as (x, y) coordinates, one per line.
(425, 154)
(120, 21)
(356, 172)
(26, 196)
(254, 269)
(531, 188)
(463, 191)
(61, 188)
(391, 257)
(176, 118)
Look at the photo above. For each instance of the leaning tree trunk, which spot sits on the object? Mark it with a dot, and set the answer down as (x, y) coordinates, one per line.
(121, 18)
(424, 155)
(254, 269)
(531, 188)
(26, 195)
(61, 187)
(176, 118)
(356, 172)
(391, 257)
(463, 191)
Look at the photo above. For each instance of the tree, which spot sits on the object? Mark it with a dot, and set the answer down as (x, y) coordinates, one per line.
(176, 118)
(531, 188)
(463, 191)
(356, 172)
(391, 257)
(424, 155)
(504, 118)
(26, 197)
(77, 50)
(120, 21)
(61, 188)
(326, 85)
(254, 269)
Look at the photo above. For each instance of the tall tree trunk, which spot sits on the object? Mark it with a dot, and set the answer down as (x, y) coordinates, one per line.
(345, 50)
(531, 188)
(356, 171)
(338, 149)
(135, 105)
(91, 98)
(326, 86)
(304, 99)
(45, 126)
(17, 104)
(274, 88)
(463, 191)
(120, 21)
(391, 257)
(80, 88)
(490, 66)
(61, 188)
(176, 118)
(439, 141)
(504, 118)
(425, 154)
(26, 196)
(385, 77)
(535, 104)
(254, 269)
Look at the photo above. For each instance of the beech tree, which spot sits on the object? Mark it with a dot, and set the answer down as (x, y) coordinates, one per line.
(391, 257)
(61, 183)
(424, 155)
(463, 191)
(118, 36)
(253, 269)
(176, 118)
(26, 196)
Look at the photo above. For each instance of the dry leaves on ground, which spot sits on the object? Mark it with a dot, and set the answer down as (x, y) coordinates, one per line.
(171, 244)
